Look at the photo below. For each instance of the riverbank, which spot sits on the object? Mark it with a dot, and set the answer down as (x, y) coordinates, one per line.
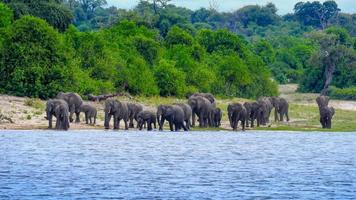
(28, 114)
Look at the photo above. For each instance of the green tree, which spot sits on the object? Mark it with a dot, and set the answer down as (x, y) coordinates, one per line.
(33, 63)
(316, 14)
(52, 11)
(170, 81)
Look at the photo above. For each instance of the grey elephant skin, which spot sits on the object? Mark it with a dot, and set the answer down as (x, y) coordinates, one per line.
(237, 112)
(59, 109)
(258, 113)
(146, 117)
(187, 113)
(173, 114)
(74, 102)
(134, 109)
(281, 108)
(217, 116)
(90, 113)
(211, 99)
(267, 107)
(248, 106)
(118, 110)
(203, 108)
(326, 112)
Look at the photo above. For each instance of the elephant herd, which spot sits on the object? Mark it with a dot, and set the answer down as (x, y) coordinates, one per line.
(200, 107)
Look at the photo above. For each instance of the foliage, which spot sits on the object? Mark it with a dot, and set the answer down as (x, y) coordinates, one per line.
(316, 14)
(170, 80)
(52, 11)
(345, 93)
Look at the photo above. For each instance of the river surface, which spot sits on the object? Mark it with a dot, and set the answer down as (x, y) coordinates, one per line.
(164, 165)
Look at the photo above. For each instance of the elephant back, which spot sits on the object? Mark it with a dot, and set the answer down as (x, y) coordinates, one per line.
(73, 99)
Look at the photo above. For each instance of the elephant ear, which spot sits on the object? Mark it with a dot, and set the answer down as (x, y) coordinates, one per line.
(332, 111)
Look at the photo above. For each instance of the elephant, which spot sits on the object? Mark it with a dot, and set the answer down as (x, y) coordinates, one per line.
(173, 114)
(326, 112)
(280, 108)
(208, 96)
(187, 113)
(59, 109)
(259, 113)
(237, 112)
(248, 106)
(74, 102)
(134, 109)
(147, 117)
(90, 113)
(217, 117)
(266, 108)
(118, 110)
(203, 108)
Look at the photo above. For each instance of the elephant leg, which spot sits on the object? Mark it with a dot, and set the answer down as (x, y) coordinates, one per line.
(94, 119)
(116, 123)
(276, 115)
(161, 124)
(170, 125)
(321, 122)
(50, 121)
(243, 125)
(77, 115)
(328, 122)
(71, 116)
(193, 119)
(176, 127)
(91, 120)
(86, 118)
(185, 128)
(287, 116)
(107, 121)
(131, 124)
(126, 125)
(187, 124)
(281, 116)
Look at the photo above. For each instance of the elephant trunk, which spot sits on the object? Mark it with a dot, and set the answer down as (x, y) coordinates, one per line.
(107, 120)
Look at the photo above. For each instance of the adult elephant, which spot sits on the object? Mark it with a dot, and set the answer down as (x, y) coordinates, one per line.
(326, 112)
(203, 108)
(237, 112)
(209, 97)
(173, 114)
(187, 113)
(134, 109)
(281, 108)
(118, 110)
(266, 107)
(259, 113)
(74, 102)
(59, 109)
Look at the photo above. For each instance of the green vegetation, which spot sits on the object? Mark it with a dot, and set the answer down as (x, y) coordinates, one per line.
(158, 48)
(35, 103)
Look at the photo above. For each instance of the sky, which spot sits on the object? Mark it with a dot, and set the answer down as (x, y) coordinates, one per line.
(284, 6)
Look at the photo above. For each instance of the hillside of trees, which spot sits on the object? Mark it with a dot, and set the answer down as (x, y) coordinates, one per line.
(158, 48)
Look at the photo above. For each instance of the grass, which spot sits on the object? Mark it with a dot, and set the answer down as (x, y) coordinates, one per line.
(35, 103)
(302, 117)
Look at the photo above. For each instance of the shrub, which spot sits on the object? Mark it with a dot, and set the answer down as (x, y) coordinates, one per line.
(345, 93)
(170, 81)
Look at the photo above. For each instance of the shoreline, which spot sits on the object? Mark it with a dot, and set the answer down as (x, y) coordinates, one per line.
(28, 113)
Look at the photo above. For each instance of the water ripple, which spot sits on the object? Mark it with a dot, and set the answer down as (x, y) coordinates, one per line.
(162, 165)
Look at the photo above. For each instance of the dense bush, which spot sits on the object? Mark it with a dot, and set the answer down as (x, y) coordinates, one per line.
(345, 93)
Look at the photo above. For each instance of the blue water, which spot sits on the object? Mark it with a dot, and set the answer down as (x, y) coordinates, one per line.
(211, 165)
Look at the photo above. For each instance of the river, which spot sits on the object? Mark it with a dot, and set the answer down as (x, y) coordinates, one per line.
(165, 165)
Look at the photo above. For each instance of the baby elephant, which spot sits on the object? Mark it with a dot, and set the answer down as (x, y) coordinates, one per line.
(89, 112)
(146, 117)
